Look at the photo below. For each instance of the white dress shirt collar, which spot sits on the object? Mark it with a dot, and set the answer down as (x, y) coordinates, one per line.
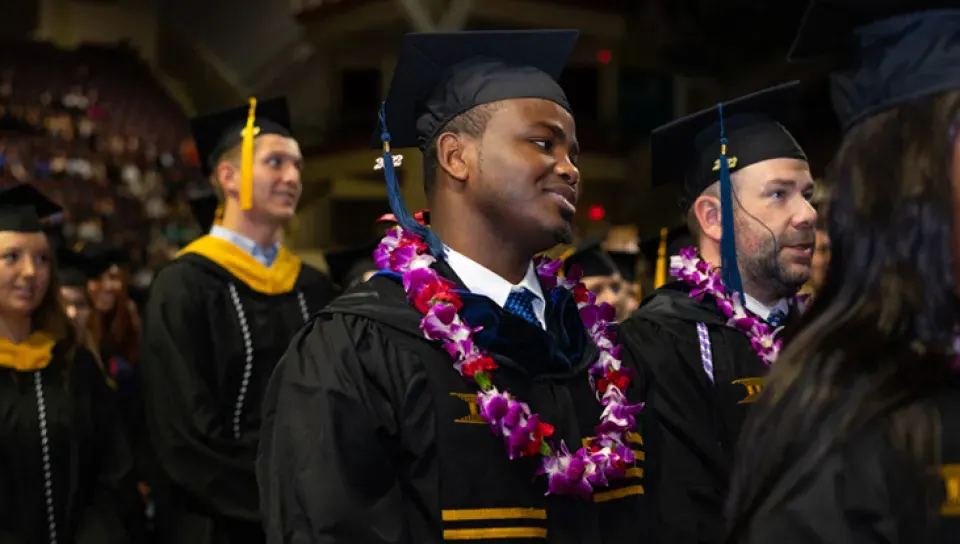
(763, 311)
(483, 281)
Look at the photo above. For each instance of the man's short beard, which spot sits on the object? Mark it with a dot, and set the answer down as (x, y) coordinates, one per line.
(764, 270)
(563, 235)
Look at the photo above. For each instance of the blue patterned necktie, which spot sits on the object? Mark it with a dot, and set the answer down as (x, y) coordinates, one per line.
(776, 317)
(520, 303)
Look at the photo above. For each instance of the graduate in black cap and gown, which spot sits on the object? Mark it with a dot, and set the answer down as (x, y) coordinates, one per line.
(65, 458)
(749, 213)
(114, 328)
(218, 318)
(602, 276)
(370, 433)
(855, 436)
(74, 270)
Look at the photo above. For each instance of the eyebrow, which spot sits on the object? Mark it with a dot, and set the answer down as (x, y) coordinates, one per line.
(560, 134)
(784, 182)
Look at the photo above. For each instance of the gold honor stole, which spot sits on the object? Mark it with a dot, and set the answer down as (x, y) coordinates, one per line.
(275, 280)
(34, 353)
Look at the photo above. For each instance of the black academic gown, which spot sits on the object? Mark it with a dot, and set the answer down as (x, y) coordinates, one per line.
(371, 436)
(690, 425)
(864, 492)
(90, 460)
(211, 339)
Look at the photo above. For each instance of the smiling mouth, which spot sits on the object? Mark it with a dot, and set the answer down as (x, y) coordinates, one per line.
(24, 291)
(565, 197)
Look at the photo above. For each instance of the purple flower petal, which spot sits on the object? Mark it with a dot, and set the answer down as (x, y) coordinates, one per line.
(566, 474)
(589, 315)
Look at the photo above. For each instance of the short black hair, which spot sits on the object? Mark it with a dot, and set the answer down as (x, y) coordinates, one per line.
(472, 122)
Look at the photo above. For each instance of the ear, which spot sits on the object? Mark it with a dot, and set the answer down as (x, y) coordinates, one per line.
(228, 176)
(453, 155)
(707, 210)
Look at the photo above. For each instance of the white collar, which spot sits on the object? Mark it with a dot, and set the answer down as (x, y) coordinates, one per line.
(483, 281)
(763, 311)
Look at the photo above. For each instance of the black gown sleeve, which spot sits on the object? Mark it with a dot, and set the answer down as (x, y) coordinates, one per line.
(680, 391)
(101, 522)
(862, 494)
(685, 465)
(186, 428)
(327, 453)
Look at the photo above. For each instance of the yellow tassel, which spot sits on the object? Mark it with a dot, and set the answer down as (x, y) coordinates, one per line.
(246, 158)
(660, 277)
(218, 214)
(563, 257)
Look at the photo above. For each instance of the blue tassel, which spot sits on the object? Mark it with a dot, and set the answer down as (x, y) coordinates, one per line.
(397, 205)
(729, 271)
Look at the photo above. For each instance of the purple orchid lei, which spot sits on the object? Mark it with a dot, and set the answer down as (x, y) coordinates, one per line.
(607, 456)
(694, 271)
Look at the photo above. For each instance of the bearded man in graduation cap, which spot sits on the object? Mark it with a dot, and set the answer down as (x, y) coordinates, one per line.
(703, 343)
(218, 318)
(394, 417)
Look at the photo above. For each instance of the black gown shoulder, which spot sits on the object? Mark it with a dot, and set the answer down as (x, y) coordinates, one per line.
(64, 460)
(370, 435)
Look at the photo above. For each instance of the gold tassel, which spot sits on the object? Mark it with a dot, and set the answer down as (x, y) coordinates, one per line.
(563, 257)
(660, 277)
(246, 158)
(218, 214)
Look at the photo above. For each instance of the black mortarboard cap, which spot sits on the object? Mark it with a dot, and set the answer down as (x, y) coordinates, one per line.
(23, 208)
(347, 265)
(626, 262)
(74, 268)
(894, 51)
(102, 256)
(592, 259)
(218, 132)
(677, 239)
(687, 151)
(204, 208)
(440, 75)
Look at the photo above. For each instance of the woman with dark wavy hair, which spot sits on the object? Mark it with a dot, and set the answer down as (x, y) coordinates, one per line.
(855, 437)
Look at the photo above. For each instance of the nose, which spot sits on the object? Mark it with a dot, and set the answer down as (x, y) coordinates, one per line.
(567, 170)
(292, 176)
(29, 268)
(806, 216)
